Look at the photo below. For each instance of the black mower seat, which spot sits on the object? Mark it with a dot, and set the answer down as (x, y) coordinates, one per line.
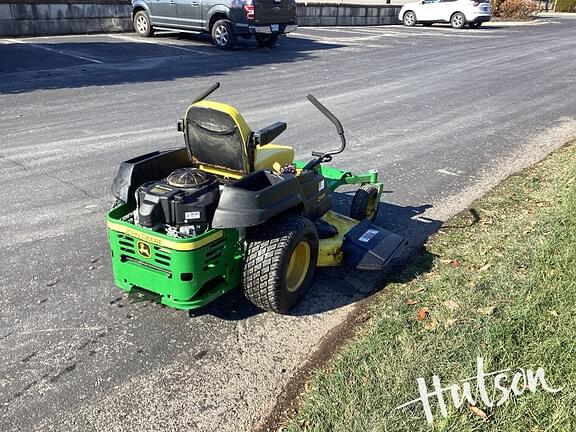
(220, 141)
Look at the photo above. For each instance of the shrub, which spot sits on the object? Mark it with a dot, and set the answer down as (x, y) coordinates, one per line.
(517, 9)
(565, 5)
(495, 6)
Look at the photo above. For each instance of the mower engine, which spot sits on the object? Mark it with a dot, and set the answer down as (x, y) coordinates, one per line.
(181, 206)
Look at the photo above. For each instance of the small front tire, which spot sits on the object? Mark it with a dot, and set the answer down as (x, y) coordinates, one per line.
(458, 20)
(365, 203)
(280, 262)
(409, 19)
(142, 24)
(223, 35)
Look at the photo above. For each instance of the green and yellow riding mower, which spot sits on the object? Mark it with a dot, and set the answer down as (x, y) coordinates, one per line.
(231, 209)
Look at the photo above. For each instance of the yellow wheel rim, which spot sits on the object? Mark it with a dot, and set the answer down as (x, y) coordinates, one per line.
(371, 208)
(298, 266)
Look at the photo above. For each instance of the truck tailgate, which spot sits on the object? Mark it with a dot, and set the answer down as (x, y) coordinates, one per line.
(274, 11)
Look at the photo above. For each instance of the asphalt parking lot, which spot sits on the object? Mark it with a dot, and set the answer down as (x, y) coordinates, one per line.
(441, 114)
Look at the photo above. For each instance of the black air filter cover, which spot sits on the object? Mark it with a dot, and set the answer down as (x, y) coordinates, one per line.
(189, 178)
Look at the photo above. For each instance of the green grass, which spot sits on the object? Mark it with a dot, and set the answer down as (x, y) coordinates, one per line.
(502, 287)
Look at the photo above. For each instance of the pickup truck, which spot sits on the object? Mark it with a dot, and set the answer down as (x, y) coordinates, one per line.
(223, 19)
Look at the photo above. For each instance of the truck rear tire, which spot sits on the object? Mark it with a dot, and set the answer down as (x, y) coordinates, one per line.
(280, 262)
(223, 34)
(266, 40)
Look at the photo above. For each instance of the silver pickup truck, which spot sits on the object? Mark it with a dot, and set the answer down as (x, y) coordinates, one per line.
(223, 19)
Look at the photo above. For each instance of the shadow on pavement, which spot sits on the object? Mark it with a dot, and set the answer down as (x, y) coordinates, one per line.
(335, 287)
(112, 60)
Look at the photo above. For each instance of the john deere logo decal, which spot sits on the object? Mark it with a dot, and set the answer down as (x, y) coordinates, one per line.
(143, 249)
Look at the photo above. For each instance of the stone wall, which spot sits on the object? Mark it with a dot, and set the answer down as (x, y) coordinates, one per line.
(51, 17)
(54, 17)
(334, 14)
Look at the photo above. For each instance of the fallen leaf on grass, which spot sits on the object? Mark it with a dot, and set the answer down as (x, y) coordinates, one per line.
(449, 323)
(485, 267)
(451, 304)
(488, 310)
(454, 263)
(410, 302)
(417, 290)
(478, 412)
(423, 314)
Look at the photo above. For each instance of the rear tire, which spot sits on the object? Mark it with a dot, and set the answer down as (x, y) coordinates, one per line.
(458, 20)
(280, 262)
(266, 40)
(475, 25)
(142, 24)
(223, 35)
(365, 203)
(409, 19)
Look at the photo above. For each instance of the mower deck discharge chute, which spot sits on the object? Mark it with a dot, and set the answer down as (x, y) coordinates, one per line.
(233, 209)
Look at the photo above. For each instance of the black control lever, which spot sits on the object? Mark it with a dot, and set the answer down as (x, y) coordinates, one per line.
(326, 156)
(207, 92)
(327, 113)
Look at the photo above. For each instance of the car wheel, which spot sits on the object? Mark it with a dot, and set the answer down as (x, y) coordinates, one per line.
(223, 35)
(475, 25)
(409, 19)
(266, 40)
(142, 24)
(280, 262)
(458, 20)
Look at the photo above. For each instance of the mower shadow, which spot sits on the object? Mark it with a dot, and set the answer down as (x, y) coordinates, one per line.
(336, 287)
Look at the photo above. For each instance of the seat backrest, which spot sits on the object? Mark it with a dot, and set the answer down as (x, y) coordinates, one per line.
(218, 138)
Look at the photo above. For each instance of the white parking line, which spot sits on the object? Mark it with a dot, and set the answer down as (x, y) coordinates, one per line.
(156, 42)
(399, 32)
(24, 42)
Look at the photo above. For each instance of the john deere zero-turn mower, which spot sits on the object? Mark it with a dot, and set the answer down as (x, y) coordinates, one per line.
(230, 209)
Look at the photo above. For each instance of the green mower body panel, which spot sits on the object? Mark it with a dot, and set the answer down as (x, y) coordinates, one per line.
(180, 273)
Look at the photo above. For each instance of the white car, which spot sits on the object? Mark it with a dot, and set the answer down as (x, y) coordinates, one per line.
(456, 12)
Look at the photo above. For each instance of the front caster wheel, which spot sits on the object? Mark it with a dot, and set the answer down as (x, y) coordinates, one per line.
(280, 262)
(365, 203)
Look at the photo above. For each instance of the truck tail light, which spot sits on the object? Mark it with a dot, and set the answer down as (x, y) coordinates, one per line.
(249, 11)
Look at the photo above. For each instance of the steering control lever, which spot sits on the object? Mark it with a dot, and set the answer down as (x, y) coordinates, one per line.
(322, 157)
